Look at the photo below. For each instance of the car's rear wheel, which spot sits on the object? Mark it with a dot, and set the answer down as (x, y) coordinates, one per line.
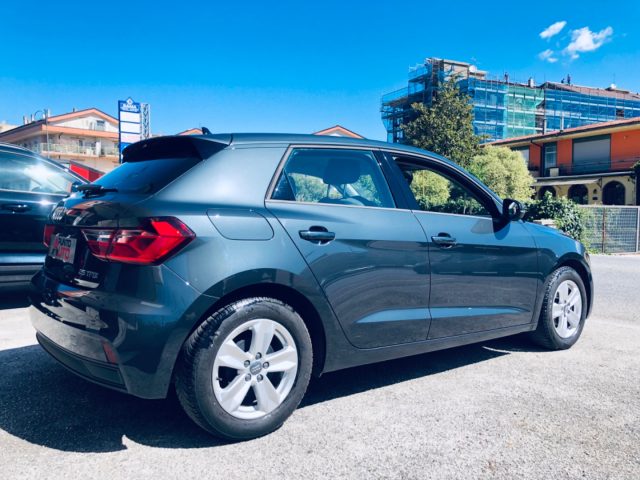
(244, 371)
(563, 312)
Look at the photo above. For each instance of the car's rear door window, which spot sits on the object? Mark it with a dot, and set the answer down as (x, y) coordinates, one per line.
(333, 176)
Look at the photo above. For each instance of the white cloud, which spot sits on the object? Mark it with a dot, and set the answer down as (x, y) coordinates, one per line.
(547, 56)
(584, 40)
(552, 30)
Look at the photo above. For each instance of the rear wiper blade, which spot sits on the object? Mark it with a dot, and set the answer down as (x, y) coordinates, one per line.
(94, 188)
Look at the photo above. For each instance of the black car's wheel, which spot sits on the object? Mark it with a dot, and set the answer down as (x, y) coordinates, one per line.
(564, 310)
(244, 371)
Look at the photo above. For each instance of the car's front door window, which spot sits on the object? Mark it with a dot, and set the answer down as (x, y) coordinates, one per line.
(436, 192)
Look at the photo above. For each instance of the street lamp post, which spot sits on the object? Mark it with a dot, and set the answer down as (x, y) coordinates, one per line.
(45, 116)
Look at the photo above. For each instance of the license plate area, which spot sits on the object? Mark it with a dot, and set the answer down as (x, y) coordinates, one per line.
(63, 248)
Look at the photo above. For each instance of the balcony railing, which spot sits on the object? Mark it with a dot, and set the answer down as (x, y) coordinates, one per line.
(73, 149)
(595, 167)
(395, 95)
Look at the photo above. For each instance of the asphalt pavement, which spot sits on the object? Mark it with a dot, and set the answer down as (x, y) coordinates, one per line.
(501, 409)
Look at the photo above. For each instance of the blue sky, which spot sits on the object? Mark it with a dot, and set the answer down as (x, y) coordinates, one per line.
(292, 66)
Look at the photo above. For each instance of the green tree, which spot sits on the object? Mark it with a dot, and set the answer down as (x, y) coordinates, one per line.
(446, 126)
(503, 171)
(430, 189)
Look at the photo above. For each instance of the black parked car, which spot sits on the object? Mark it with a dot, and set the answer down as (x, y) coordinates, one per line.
(235, 266)
(29, 188)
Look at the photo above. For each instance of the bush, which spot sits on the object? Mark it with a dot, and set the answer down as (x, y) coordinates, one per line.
(567, 215)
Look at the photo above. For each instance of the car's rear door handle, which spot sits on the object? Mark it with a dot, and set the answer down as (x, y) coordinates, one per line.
(16, 207)
(444, 240)
(317, 235)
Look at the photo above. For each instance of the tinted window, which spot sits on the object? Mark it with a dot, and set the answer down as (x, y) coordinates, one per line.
(31, 174)
(146, 176)
(436, 192)
(334, 176)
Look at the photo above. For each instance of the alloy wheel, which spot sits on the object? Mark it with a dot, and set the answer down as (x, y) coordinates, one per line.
(567, 309)
(255, 369)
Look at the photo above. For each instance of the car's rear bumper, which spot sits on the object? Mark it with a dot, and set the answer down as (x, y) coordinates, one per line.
(103, 373)
(116, 339)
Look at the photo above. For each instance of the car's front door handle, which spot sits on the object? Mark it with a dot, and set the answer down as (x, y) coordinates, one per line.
(317, 235)
(444, 240)
(16, 207)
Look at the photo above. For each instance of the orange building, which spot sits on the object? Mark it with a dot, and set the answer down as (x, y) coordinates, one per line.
(88, 138)
(592, 164)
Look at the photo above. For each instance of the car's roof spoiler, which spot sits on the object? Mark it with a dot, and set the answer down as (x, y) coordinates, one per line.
(177, 146)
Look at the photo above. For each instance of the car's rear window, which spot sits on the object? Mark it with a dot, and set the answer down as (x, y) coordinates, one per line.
(147, 176)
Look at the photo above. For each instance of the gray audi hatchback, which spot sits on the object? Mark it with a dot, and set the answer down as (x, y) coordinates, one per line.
(234, 267)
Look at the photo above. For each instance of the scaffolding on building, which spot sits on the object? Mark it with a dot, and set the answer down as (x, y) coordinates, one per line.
(503, 108)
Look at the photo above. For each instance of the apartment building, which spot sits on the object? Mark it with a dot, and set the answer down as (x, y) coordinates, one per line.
(88, 138)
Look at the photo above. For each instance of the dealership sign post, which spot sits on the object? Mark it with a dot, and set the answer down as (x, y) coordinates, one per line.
(129, 119)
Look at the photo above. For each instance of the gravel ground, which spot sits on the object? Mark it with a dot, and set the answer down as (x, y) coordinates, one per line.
(501, 409)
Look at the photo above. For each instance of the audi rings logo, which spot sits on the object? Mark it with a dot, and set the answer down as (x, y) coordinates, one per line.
(57, 214)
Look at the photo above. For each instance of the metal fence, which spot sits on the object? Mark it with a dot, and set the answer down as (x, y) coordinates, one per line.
(612, 229)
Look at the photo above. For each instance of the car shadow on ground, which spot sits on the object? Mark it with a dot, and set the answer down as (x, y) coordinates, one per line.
(10, 300)
(44, 404)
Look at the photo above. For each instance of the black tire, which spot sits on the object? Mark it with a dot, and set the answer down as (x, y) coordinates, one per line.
(545, 334)
(194, 381)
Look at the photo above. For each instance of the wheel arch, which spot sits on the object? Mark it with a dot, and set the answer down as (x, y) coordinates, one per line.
(298, 291)
(579, 266)
(292, 297)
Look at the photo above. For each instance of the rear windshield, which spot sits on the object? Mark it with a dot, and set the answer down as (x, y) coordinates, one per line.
(146, 176)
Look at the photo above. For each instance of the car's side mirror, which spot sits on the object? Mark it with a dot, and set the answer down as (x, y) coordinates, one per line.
(513, 210)
(74, 186)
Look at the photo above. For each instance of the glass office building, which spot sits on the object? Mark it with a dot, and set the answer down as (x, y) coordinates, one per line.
(506, 109)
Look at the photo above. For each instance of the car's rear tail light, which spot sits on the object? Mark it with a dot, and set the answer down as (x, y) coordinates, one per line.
(48, 233)
(99, 241)
(153, 242)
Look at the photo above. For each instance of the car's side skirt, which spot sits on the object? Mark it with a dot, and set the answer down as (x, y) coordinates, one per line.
(358, 357)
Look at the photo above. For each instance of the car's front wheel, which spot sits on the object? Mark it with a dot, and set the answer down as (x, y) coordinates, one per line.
(564, 310)
(245, 369)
